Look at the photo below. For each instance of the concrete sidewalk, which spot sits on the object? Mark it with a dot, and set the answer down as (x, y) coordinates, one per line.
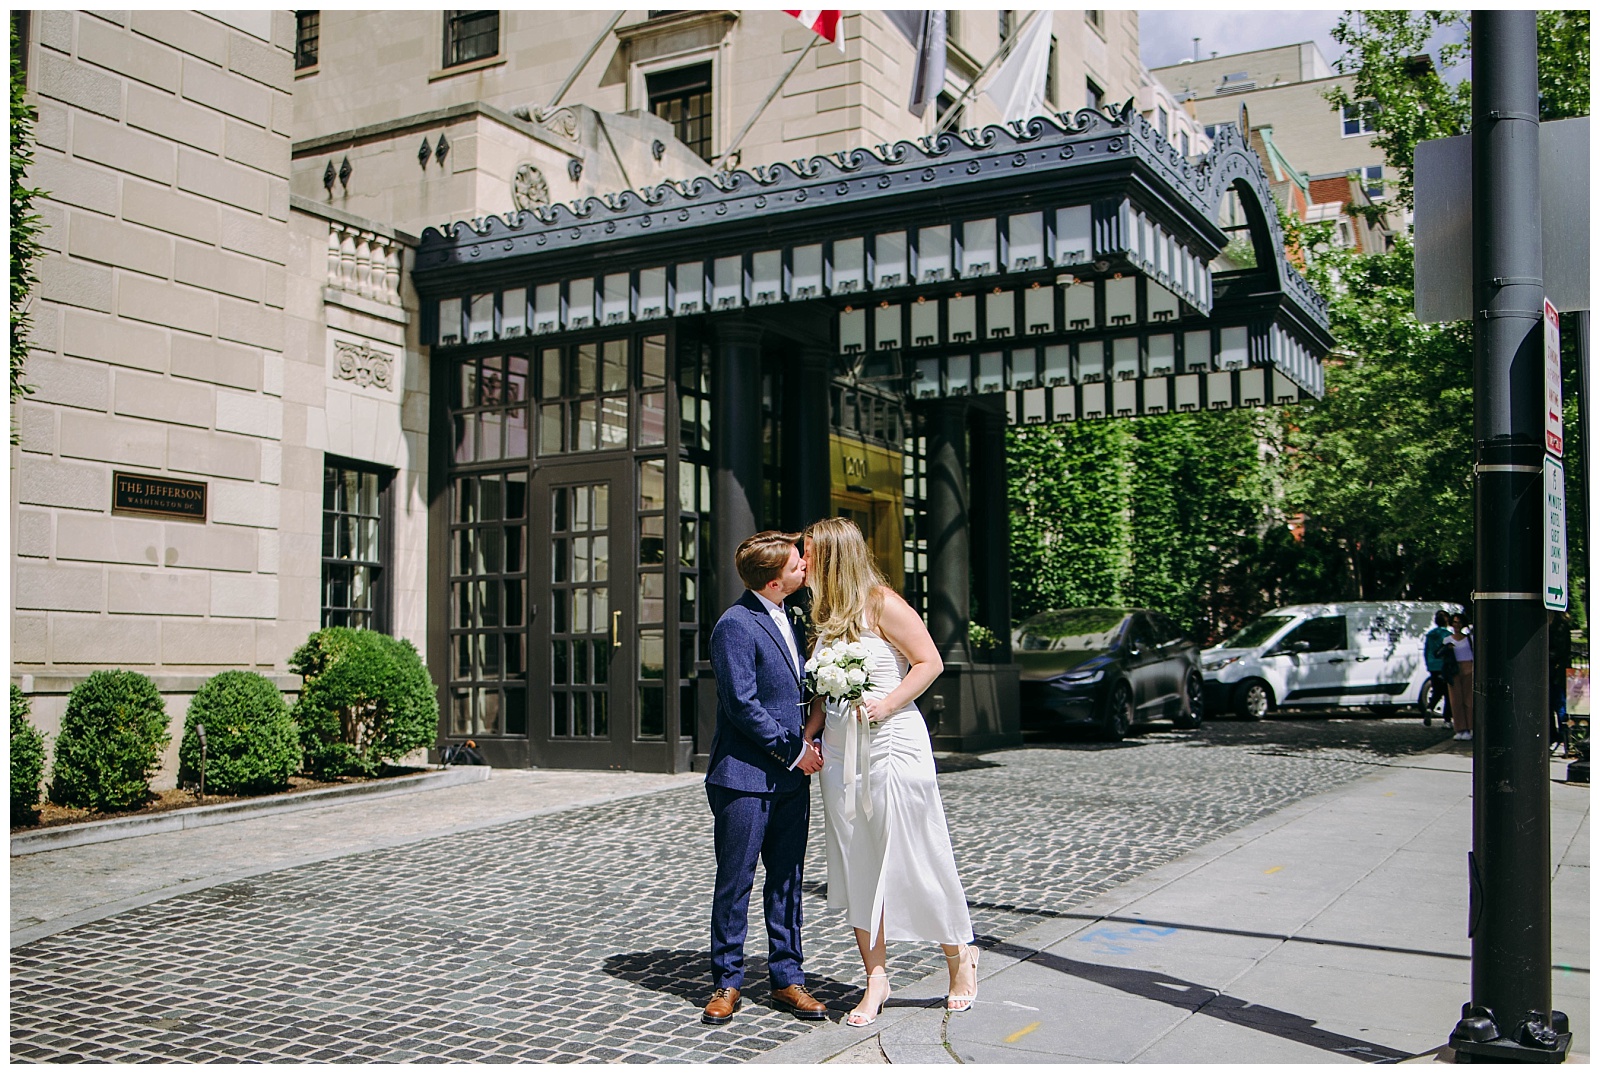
(1332, 931)
(63, 888)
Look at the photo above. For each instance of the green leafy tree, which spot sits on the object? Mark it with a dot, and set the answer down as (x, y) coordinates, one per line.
(25, 223)
(1383, 462)
(1563, 64)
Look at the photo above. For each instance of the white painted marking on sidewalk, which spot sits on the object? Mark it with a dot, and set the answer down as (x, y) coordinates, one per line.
(1022, 1006)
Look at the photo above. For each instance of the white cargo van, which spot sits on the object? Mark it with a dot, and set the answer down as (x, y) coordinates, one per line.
(1366, 653)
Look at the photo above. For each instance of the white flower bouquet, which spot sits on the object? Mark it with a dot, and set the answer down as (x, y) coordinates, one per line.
(838, 671)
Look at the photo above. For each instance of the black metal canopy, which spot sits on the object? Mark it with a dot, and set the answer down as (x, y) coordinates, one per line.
(1068, 257)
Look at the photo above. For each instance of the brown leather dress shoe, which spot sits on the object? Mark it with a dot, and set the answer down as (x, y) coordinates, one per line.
(719, 1012)
(798, 1001)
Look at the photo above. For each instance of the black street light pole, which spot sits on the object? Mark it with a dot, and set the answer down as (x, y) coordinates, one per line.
(1508, 1017)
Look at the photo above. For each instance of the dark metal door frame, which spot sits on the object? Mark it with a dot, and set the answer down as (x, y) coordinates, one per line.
(608, 638)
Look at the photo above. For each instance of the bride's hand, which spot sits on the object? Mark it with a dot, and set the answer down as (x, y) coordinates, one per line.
(874, 709)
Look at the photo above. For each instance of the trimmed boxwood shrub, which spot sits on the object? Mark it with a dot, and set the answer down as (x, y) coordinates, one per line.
(27, 761)
(252, 746)
(367, 699)
(110, 744)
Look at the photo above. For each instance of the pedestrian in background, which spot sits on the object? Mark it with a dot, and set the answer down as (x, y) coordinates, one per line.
(1461, 684)
(1560, 660)
(1433, 659)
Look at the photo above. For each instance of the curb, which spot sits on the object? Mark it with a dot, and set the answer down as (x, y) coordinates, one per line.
(104, 831)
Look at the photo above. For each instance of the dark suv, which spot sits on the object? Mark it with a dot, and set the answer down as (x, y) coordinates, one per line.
(1107, 667)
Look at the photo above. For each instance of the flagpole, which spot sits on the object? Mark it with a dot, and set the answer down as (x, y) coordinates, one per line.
(733, 146)
(573, 77)
(1004, 50)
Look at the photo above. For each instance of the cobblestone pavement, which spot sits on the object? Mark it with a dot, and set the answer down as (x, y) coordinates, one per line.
(582, 935)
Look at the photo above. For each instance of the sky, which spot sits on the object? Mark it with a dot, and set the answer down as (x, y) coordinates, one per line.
(1167, 36)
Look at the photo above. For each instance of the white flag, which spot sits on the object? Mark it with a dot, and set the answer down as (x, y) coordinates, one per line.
(1017, 88)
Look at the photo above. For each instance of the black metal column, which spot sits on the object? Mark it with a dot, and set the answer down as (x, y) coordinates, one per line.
(807, 421)
(991, 529)
(949, 553)
(735, 448)
(1509, 1015)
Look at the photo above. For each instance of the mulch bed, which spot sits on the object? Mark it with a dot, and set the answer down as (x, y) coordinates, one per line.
(51, 815)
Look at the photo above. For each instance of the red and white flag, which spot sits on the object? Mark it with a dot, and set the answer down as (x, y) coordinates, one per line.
(825, 23)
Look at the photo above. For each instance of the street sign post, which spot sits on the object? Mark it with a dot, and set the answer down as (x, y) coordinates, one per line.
(1555, 535)
(1552, 381)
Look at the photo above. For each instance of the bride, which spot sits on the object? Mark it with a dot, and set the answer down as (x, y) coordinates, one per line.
(890, 867)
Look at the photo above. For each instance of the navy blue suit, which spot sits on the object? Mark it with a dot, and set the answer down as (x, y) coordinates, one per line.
(761, 805)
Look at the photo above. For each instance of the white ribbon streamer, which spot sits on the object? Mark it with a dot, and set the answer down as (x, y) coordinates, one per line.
(857, 762)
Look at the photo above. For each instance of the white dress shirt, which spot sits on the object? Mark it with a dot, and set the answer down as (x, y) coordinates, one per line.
(780, 619)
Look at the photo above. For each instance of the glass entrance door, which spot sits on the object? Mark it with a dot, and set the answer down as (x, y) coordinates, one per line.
(582, 626)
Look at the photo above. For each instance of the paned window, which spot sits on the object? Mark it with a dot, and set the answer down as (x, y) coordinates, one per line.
(581, 621)
(583, 397)
(1097, 19)
(1094, 95)
(470, 35)
(695, 616)
(1373, 174)
(489, 411)
(307, 32)
(354, 546)
(489, 604)
(682, 97)
(1359, 118)
(1007, 25)
(1161, 120)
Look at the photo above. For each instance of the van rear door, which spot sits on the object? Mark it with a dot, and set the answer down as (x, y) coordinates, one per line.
(1393, 644)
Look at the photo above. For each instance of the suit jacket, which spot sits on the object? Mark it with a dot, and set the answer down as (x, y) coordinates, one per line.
(760, 721)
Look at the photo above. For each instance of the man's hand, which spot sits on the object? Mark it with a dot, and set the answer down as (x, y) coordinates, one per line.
(810, 760)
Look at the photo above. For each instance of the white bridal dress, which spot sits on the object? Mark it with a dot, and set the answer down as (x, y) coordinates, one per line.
(888, 846)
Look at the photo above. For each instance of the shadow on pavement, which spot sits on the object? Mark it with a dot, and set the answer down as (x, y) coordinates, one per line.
(686, 974)
(1164, 988)
(1284, 734)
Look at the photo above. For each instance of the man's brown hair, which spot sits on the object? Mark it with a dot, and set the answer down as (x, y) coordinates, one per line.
(762, 558)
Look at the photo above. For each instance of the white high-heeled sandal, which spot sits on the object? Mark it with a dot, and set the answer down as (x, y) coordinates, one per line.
(856, 1017)
(953, 1002)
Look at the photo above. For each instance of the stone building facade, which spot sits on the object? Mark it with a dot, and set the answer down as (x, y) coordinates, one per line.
(226, 298)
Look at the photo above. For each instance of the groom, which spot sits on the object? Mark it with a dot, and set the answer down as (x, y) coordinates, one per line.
(757, 778)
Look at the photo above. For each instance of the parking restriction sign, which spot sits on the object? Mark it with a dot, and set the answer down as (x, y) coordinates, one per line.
(1552, 380)
(1555, 536)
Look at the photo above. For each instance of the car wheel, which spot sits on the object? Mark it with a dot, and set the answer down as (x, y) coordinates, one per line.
(1251, 699)
(1119, 712)
(1194, 704)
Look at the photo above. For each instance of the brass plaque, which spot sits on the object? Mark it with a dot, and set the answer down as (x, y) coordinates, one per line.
(158, 496)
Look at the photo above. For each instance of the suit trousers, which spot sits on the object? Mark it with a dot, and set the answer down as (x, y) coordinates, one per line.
(773, 828)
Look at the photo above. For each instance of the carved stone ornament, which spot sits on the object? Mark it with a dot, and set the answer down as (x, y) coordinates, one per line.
(362, 363)
(563, 122)
(529, 189)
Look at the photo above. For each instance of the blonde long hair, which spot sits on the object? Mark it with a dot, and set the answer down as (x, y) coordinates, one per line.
(844, 578)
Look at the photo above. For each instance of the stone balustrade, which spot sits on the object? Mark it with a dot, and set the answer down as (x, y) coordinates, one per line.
(364, 263)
